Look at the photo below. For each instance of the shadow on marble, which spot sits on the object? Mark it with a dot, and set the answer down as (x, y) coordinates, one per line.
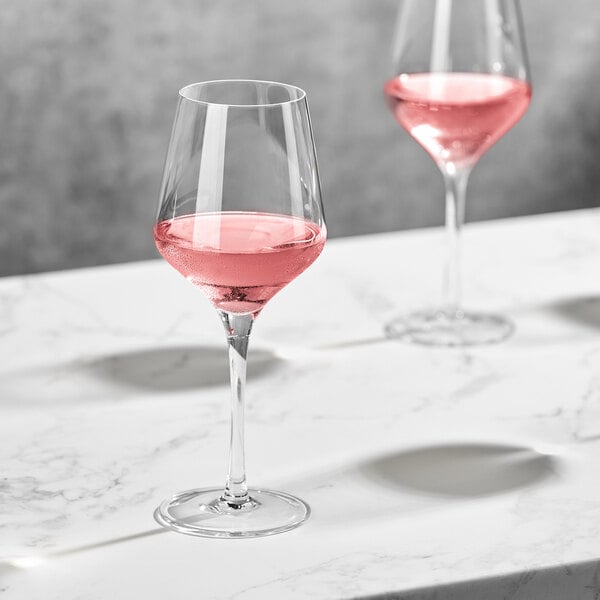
(178, 368)
(585, 311)
(421, 479)
(116, 377)
(579, 581)
(462, 470)
(354, 343)
(22, 563)
(566, 321)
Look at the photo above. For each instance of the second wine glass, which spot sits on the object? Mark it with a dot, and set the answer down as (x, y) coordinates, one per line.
(461, 82)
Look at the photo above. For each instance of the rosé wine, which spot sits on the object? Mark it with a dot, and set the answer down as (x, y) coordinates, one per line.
(239, 259)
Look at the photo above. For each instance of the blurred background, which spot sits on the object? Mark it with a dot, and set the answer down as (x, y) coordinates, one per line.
(89, 87)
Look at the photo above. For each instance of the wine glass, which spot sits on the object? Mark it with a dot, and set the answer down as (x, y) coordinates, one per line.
(461, 81)
(240, 216)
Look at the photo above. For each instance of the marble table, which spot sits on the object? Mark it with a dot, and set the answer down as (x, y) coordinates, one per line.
(431, 473)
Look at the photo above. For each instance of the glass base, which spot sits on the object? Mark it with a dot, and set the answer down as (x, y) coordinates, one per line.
(204, 513)
(439, 328)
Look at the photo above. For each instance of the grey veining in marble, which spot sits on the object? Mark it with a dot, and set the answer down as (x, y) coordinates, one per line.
(454, 474)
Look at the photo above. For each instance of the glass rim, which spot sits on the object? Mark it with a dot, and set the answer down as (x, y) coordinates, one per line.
(184, 95)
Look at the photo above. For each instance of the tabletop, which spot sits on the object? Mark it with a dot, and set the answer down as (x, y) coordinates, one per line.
(431, 473)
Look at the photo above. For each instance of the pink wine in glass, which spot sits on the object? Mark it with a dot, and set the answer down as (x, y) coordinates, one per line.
(239, 259)
(456, 117)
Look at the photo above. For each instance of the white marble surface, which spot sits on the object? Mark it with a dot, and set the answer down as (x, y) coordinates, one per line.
(455, 474)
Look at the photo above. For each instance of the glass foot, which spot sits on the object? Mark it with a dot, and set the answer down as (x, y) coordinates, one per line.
(438, 328)
(202, 512)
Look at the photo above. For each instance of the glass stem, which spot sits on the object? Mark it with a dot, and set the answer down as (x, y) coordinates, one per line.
(455, 182)
(237, 329)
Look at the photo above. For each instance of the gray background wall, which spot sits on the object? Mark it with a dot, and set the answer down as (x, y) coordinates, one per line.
(88, 89)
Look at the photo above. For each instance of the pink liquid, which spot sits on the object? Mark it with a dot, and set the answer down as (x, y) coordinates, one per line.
(239, 259)
(456, 117)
